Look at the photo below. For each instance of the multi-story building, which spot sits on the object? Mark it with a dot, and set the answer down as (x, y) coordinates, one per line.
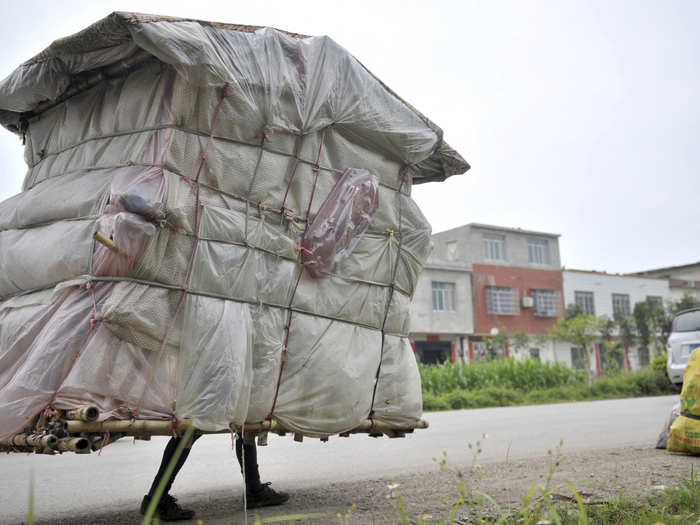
(516, 279)
(441, 312)
(603, 294)
(483, 280)
(684, 279)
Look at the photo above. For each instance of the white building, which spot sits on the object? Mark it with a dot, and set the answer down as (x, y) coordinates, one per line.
(604, 294)
(442, 314)
(684, 279)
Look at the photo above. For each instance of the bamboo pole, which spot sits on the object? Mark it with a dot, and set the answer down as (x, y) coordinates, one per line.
(31, 441)
(165, 428)
(106, 241)
(82, 82)
(86, 413)
(85, 436)
(79, 445)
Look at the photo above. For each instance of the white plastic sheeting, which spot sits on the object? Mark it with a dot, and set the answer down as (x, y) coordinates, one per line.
(205, 167)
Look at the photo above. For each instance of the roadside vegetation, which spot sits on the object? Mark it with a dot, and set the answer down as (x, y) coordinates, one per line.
(548, 503)
(494, 381)
(529, 382)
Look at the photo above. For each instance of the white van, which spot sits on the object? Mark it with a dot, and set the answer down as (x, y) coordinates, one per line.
(684, 338)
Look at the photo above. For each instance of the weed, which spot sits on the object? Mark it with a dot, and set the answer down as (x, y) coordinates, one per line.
(529, 382)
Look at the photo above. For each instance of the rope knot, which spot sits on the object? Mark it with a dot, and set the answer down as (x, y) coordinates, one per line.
(173, 426)
(303, 250)
(264, 135)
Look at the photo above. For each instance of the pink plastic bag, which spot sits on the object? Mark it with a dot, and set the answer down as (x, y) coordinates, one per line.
(340, 222)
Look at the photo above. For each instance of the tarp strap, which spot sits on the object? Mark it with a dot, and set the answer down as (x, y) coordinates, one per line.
(392, 286)
(195, 188)
(287, 326)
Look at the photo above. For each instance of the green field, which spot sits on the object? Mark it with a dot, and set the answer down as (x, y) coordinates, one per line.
(510, 383)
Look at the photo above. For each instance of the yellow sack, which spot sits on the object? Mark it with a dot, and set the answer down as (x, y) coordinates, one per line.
(685, 430)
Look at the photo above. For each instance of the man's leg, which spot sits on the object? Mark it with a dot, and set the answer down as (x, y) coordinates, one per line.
(247, 455)
(168, 509)
(257, 494)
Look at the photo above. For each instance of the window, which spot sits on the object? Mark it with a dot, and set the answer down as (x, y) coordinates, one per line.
(452, 250)
(687, 322)
(494, 246)
(480, 351)
(546, 303)
(578, 358)
(538, 251)
(585, 301)
(535, 354)
(443, 297)
(621, 304)
(655, 300)
(501, 300)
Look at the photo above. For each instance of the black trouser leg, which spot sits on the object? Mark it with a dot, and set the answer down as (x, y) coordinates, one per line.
(168, 454)
(250, 468)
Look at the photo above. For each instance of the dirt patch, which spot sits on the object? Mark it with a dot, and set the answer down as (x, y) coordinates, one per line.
(599, 475)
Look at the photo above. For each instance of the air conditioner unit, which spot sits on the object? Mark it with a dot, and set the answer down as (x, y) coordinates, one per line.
(528, 302)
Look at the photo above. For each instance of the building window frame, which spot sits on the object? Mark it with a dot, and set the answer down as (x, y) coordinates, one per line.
(621, 305)
(585, 300)
(444, 296)
(502, 300)
(657, 300)
(494, 246)
(538, 251)
(545, 303)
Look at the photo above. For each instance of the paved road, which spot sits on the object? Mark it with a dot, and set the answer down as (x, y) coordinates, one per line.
(119, 477)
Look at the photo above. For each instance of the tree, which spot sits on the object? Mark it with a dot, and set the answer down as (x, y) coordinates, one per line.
(627, 331)
(642, 315)
(661, 318)
(494, 343)
(573, 310)
(520, 341)
(606, 327)
(580, 330)
(684, 303)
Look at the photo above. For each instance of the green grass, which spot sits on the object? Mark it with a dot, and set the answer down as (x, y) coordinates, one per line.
(530, 382)
(526, 375)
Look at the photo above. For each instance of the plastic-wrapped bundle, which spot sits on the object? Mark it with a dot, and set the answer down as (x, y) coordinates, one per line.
(340, 222)
(212, 163)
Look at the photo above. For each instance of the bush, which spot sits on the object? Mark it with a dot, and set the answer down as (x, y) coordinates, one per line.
(432, 403)
(658, 363)
(524, 376)
(626, 384)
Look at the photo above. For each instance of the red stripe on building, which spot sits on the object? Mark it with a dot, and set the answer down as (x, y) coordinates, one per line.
(597, 359)
(471, 352)
(432, 337)
(454, 353)
(413, 345)
(507, 351)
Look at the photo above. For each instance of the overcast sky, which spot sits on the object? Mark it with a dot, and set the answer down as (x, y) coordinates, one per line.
(578, 118)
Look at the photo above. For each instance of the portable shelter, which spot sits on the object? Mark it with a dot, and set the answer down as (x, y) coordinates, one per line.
(215, 227)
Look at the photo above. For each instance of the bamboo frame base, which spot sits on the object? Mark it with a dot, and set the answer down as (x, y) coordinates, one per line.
(84, 436)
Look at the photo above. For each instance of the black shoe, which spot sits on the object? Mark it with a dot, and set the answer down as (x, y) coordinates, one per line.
(265, 497)
(167, 509)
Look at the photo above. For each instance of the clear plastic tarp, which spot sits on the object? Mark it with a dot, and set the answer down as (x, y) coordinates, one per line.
(221, 230)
